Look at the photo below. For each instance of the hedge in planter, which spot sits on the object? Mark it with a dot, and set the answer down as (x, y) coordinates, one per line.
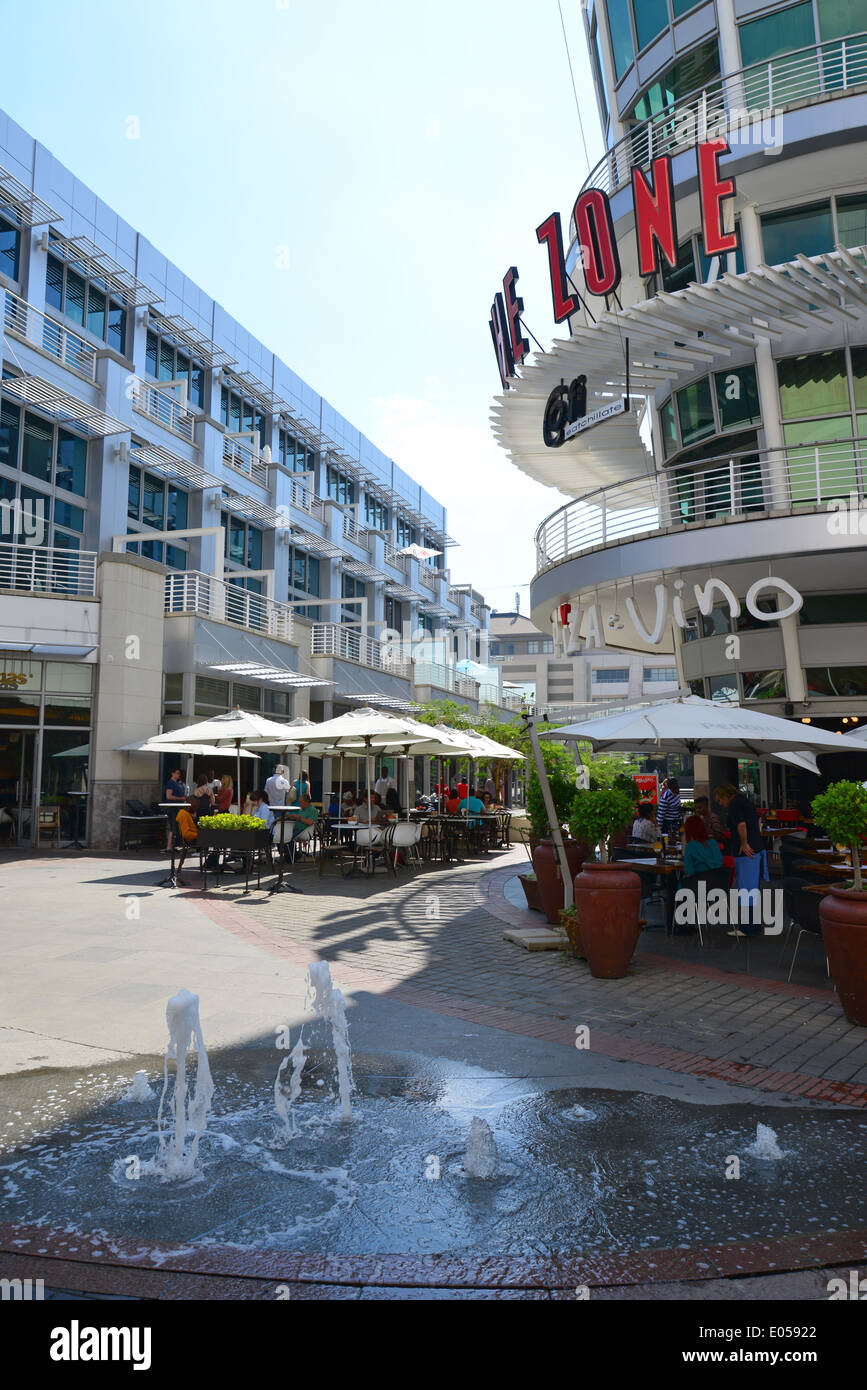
(233, 832)
(841, 811)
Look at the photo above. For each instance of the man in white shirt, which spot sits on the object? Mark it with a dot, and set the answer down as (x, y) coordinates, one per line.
(277, 786)
(383, 783)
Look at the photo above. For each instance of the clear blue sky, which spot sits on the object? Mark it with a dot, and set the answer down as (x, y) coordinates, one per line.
(399, 156)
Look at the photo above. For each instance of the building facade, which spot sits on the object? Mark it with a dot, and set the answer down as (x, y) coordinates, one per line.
(561, 684)
(185, 525)
(712, 287)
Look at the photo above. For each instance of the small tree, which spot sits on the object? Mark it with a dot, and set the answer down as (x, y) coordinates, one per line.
(841, 811)
(562, 773)
(597, 815)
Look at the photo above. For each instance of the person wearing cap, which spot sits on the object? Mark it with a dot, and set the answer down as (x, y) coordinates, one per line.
(277, 786)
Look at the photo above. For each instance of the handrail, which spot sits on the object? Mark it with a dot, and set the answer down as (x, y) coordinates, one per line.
(47, 570)
(161, 406)
(44, 333)
(760, 86)
(191, 591)
(349, 644)
(746, 484)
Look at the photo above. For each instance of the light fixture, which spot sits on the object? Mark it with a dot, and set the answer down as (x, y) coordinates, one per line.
(845, 721)
(806, 720)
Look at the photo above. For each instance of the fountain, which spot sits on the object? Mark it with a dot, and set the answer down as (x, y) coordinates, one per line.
(480, 1158)
(176, 1158)
(765, 1144)
(139, 1091)
(283, 1103)
(329, 1005)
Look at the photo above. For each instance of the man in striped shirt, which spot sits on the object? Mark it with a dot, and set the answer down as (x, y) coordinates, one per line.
(668, 810)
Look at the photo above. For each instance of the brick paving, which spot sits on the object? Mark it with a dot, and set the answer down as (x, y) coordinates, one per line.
(436, 941)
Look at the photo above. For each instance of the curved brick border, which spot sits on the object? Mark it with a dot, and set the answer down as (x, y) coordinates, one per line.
(68, 1259)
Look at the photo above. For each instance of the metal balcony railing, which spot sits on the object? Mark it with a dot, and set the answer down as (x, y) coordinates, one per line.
(427, 578)
(350, 527)
(348, 644)
(746, 486)
(822, 71)
(163, 408)
(397, 562)
(240, 456)
(48, 336)
(444, 678)
(47, 570)
(207, 597)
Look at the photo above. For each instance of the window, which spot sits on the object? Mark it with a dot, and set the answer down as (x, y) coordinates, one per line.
(678, 276)
(837, 681)
(694, 70)
(49, 455)
(716, 622)
(376, 513)
(668, 427)
(600, 73)
(86, 302)
(833, 608)
(748, 622)
(723, 689)
(165, 361)
(780, 33)
(494, 648)
(651, 17)
(405, 533)
(10, 246)
(764, 685)
(695, 411)
(211, 695)
(37, 451)
(71, 468)
(808, 230)
(737, 396)
(240, 415)
(611, 675)
(304, 579)
(152, 501)
(352, 588)
(294, 454)
(278, 702)
(852, 220)
(533, 648)
(173, 693)
(620, 30)
(815, 384)
(340, 487)
(393, 613)
(656, 674)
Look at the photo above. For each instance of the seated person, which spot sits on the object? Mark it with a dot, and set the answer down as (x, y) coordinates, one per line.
(187, 827)
(700, 851)
(300, 818)
(333, 807)
(453, 801)
(644, 827)
(347, 803)
(487, 801)
(260, 808)
(202, 800)
(473, 806)
(710, 817)
(377, 814)
(392, 804)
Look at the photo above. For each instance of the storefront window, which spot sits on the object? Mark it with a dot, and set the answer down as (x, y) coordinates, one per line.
(67, 709)
(695, 411)
(18, 708)
(737, 398)
(724, 689)
(764, 685)
(716, 622)
(69, 677)
(808, 231)
(833, 608)
(837, 681)
(814, 384)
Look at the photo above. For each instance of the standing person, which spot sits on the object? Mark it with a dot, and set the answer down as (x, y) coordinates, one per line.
(277, 786)
(202, 799)
(463, 788)
(668, 809)
(747, 846)
(491, 787)
(301, 787)
(175, 791)
(384, 783)
(225, 795)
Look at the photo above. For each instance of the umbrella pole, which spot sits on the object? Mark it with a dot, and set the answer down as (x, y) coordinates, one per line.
(238, 773)
(551, 812)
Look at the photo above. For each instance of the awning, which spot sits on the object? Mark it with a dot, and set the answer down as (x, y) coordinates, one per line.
(59, 406)
(271, 675)
(29, 210)
(670, 336)
(84, 255)
(202, 347)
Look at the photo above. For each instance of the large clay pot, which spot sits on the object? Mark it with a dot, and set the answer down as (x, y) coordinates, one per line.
(607, 900)
(843, 915)
(531, 893)
(549, 878)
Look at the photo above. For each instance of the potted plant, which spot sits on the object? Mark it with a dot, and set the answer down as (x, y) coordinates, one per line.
(561, 772)
(841, 811)
(607, 896)
(228, 832)
(531, 892)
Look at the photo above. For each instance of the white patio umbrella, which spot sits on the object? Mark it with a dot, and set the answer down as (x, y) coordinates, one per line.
(229, 730)
(490, 749)
(690, 725)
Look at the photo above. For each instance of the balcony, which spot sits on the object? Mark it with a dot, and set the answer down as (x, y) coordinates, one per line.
(444, 678)
(779, 482)
(245, 460)
(427, 578)
(45, 570)
(818, 73)
(192, 592)
(163, 408)
(348, 644)
(49, 337)
(397, 562)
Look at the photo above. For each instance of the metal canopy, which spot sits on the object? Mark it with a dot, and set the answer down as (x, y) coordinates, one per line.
(29, 210)
(358, 570)
(198, 343)
(670, 336)
(168, 465)
(387, 701)
(251, 384)
(404, 592)
(317, 545)
(272, 675)
(84, 255)
(59, 406)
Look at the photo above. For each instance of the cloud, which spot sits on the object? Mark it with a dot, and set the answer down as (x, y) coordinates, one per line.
(493, 509)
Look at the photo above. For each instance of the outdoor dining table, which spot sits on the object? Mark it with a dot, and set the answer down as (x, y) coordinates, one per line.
(279, 813)
(829, 871)
(669, 869)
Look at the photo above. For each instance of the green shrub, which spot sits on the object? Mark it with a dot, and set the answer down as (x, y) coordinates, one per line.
(228, 822)
(841, 812)
(562, 774)
(597, 815)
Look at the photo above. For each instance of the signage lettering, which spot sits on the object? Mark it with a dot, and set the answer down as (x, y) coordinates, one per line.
(655, 235)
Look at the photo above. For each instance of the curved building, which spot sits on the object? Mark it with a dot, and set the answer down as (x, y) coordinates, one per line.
(706, 404)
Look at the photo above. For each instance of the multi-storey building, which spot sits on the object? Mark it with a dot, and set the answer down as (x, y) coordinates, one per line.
(185, 525)
(563, 685)
(713, 286)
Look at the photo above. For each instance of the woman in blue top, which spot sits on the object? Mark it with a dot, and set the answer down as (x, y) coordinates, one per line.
(700, 851)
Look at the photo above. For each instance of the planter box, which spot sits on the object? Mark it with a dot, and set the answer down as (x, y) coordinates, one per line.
(239, 841)
(531, 892)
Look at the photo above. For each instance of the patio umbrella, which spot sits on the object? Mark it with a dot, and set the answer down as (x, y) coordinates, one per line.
(489, 748)
(229, 730)
(690, 725)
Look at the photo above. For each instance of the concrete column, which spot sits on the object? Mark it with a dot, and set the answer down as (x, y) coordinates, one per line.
(128, 703)
(796, 684)
(766, 371)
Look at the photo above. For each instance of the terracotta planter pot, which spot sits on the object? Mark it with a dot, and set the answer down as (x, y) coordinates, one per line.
(607, 900)
(531, 892)
(843, 915)
(548, 875)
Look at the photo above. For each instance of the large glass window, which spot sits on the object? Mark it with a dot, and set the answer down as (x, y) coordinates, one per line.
(87, 303)
(352, 588)
(611, 675)
(294, 454)
(405, 533)
(304, 579)
(10, 421)
(737, 397)
(837, 681)
(828, 609)
(165, 361)
(852, 215)
(787, 79)
(806, 230)
(814, 384)
(340, 486)
(764, 685)
(38, 441)
(235, 408)
(10, 244)
(694, 70)
(71, 470)
(651, 17)
(695, 411)
(375, 513)
(620, 30)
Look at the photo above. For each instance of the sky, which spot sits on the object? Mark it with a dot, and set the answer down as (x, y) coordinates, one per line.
(351, 179)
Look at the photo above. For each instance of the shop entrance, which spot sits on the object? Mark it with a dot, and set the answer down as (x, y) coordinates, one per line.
(17, 786)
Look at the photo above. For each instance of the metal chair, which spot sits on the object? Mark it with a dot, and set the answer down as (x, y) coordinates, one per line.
(713, 879)
(805, 912)
(48, 824)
